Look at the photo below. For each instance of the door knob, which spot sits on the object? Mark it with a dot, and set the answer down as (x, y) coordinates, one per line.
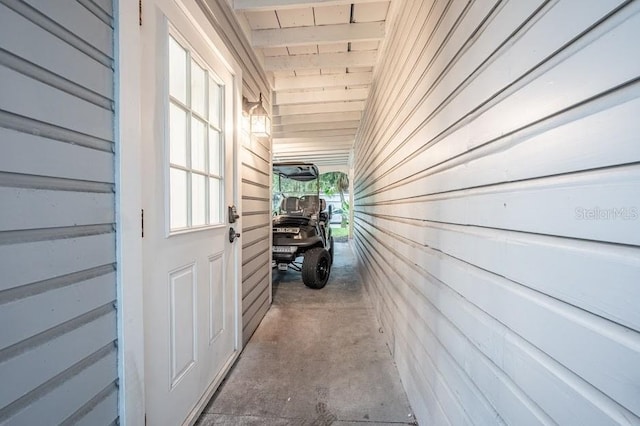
(233, 214)
(233, 235)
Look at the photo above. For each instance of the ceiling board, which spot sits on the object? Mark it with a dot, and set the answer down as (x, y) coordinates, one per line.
(370, 12)
(327, 71)
(296, 17)
(278, 74)
(307, 72)
(275, 51)
(328, 15)
(262, 20)
(303, 50)
(333, 47)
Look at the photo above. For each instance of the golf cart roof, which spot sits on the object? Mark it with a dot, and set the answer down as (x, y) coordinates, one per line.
(297, 171)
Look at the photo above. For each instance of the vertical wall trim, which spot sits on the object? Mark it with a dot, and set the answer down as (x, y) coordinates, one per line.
(128, 208)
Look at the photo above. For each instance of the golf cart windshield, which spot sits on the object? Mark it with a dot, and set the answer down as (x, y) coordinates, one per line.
(296, 189)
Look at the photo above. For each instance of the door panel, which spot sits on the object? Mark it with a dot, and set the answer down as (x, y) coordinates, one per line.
(183, 324)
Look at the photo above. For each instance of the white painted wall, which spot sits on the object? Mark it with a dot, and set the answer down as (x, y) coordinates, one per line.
(497, 209)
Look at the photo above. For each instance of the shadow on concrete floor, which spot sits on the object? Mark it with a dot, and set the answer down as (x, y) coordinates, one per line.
(317, 358)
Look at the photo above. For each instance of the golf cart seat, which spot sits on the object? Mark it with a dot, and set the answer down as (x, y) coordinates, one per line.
(312, 204)
(309, 203)
(324, 215)
(291, 205)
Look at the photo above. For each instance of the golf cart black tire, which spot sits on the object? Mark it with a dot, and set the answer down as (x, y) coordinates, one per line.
(316, 267)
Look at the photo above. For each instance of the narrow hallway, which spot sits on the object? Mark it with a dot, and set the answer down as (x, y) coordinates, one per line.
(318, 358)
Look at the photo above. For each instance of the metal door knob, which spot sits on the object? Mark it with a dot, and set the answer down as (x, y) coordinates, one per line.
(233, 235)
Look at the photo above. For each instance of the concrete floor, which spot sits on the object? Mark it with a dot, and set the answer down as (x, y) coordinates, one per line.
(318, 358)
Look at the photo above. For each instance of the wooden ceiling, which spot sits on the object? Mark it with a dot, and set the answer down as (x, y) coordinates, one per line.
(320, 54)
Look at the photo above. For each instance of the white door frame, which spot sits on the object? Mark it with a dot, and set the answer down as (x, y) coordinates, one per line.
(128, 163)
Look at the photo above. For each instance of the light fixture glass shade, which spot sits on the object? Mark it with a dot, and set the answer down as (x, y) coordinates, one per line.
(246, 123)
(261, 126)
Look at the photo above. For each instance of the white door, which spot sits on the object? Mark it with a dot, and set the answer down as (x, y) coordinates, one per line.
(190, 264)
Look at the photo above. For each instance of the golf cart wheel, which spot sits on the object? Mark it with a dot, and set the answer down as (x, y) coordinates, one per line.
(316, 267)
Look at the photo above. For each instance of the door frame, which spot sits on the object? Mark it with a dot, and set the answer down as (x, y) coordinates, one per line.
(128, 166)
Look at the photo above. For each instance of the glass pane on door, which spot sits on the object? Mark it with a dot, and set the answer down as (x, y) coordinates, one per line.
(198, 89)
(178, 198)
(177, 71)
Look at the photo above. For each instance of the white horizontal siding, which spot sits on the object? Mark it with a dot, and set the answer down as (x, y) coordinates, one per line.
(58, 340)
(497, 217)
(256, 241)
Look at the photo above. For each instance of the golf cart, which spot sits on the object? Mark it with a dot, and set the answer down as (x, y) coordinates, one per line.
(301, 224)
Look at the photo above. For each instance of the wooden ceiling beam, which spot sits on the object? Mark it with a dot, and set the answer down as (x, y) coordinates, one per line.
(322, 81)
(331, 95)
(318, 108)
(335, 151)
(265, 5)
(316, 133)
(316, 118)
(320, 34)
(323, 60)
(311, 140)
(304, 127)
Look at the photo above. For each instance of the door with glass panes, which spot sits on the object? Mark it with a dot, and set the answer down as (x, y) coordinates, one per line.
(190, 263)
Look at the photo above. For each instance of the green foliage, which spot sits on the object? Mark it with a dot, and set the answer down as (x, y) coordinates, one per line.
(339, 231)
(334, 182)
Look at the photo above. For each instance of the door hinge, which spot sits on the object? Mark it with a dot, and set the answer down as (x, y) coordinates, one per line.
(140, 12)
(142, 223)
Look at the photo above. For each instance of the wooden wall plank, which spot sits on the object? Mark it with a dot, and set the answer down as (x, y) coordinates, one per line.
(39, 260)
(57, 405)
(53, 53)
(566, 206)
(524, 155)
(54, 307)
(534, 261)
(71, 348)
(255, 316)
(26, 97)
(31, 154)
(33, 208)
(103, 410)
(79, 21)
